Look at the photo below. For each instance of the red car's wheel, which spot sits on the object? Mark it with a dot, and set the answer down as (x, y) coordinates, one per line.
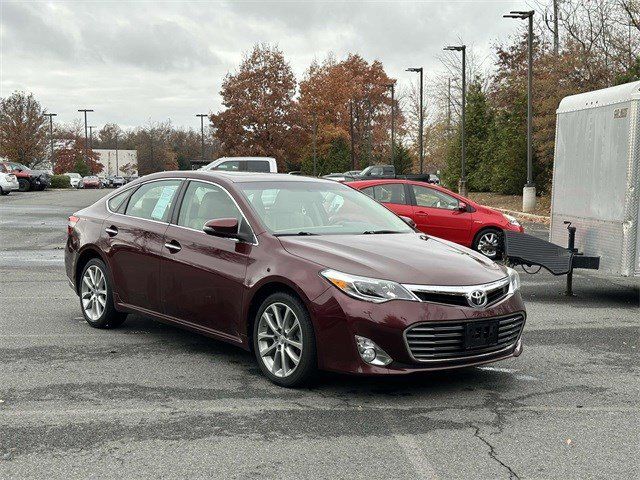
(489, 243)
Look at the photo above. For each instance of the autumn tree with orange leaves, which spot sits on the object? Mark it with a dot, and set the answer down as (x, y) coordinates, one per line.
(260, 114)
(329, 93)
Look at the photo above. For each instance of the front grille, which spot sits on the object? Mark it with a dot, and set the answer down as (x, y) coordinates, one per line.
(459, 298)
(445, 341)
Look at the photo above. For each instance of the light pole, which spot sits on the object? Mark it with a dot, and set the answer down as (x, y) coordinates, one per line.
(86, 138)
(392, 87)
(91, 127)
(529, 190)
(421, 122)
(462, 184)
(202, 117)
(116, 137)
(51, 115)
(351, 133)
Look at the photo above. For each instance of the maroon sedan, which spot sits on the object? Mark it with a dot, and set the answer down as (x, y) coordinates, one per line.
(307, 274)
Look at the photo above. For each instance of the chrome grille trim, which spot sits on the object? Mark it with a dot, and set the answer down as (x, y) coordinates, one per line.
(443, 342)
(457, 295)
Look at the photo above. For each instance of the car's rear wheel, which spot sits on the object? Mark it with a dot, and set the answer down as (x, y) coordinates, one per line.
(3, 192)
(284, 342)
(24, 185)
(489, 243)
(96, 297)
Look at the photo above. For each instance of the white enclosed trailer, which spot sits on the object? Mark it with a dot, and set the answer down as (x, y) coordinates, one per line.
(595, 176)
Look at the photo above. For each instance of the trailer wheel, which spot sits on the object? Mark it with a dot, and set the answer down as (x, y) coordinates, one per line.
(489, 242)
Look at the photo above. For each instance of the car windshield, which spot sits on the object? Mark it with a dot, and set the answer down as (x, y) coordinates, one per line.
(319, 208)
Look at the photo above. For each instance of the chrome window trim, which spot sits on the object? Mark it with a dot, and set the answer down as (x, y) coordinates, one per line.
(118, 192)
(520, 315)
(255, 238)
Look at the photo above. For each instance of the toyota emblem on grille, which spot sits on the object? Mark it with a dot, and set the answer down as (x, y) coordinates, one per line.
(477, 298)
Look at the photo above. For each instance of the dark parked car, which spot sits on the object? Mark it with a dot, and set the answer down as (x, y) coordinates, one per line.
(28, 179)
(306, 273)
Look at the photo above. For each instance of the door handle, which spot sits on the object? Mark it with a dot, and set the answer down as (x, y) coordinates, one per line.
(421, 213)
(173, 246)
(112, 231)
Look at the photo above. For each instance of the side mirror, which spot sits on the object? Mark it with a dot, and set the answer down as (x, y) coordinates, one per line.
(225, 228)
(409, 221)
(463, 207)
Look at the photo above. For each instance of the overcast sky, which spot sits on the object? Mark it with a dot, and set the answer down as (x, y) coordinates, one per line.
(141, 61)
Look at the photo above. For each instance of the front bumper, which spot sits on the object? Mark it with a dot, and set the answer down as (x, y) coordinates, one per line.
(337, 318)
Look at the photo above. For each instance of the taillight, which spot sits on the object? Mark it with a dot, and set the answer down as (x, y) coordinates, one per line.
(72, 223)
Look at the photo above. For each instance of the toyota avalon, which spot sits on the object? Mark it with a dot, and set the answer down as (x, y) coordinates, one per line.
(305, 273)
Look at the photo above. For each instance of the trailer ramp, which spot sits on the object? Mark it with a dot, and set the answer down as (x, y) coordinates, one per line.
(525, 249)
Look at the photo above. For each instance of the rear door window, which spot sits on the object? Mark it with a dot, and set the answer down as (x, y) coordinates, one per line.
(258, 166)
(390, 193)
(154, 200)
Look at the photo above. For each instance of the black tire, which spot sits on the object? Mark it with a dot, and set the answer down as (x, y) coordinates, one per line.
(24, 185)
(305, 371)
(483, 237)
(109, 317)
(2, 192)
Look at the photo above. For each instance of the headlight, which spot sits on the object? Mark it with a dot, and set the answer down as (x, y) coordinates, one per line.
(512, 220)
(368, 289)
(514, 280)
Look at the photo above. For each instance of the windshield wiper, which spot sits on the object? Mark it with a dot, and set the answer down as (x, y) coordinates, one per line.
(378, 232)
(299, 234)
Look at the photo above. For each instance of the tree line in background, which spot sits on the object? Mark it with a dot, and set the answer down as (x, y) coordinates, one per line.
(338, 116)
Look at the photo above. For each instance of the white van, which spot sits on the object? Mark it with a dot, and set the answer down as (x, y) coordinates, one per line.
(244, 164)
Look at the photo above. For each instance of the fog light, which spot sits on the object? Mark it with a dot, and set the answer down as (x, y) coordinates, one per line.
(372, 353)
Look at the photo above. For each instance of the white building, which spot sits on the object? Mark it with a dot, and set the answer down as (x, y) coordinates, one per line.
(114, 160)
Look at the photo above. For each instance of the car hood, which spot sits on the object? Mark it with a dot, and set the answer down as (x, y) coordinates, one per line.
(406, 258)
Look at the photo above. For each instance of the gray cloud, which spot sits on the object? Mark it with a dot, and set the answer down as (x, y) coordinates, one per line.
(133, 62)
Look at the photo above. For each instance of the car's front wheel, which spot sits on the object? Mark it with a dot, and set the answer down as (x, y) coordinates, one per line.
(489, 243)
(284, 341)
(96, 297)
(24, 185)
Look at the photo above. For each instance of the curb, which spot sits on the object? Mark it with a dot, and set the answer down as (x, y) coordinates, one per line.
(526, 216)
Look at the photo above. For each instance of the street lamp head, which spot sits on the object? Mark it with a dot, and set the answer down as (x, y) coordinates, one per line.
(414, 69)
(519, 14)
(457, 48)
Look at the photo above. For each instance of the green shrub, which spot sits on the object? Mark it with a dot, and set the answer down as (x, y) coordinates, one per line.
(60, 181)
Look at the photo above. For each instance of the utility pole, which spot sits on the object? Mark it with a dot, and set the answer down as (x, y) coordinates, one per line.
(315, 135)
(556, 33)
(421, 121)
(353, 150)
(449, 106)
(462, 184)
(202, 117)
(117, 169)
(51, 115)
(86, 138)
(91, 127)
(529, 190)
(392, 86)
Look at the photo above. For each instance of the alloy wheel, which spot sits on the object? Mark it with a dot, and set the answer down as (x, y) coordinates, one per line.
(94, 292)
(489, 244)
(280, 339)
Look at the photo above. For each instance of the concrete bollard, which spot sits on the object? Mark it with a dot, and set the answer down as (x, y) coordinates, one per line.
(528, 199)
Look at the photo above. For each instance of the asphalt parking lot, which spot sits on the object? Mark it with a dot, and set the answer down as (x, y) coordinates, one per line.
(150, 400)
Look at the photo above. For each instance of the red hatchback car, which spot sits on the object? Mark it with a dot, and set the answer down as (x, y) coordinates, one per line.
(442, 213)
(305, 273)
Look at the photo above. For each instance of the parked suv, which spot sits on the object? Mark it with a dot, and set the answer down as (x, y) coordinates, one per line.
(305, 273)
